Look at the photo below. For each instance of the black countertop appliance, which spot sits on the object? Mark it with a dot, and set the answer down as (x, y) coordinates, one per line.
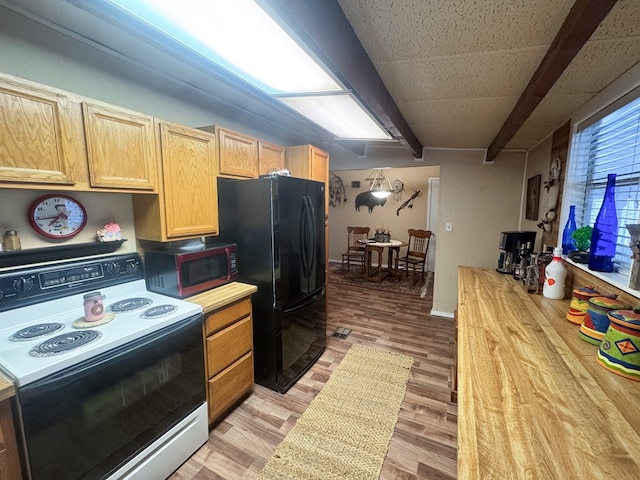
(509, 245)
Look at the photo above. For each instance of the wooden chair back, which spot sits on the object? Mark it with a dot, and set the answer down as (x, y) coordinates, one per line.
(418, 243)
(354, 235)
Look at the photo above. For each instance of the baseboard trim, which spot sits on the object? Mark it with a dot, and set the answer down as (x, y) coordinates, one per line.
(437, 313)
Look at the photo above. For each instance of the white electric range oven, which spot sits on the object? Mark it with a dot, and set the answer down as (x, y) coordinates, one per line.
(119, 397)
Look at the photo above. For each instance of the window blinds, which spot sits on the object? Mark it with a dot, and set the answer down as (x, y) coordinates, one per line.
(609, 145)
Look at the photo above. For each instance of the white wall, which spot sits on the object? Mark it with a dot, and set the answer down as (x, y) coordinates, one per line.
(102, 208)
(538, 162)
(480, 200)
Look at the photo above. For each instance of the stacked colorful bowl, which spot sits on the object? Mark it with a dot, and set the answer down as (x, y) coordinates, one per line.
(620, 348)
(580, 304)
(596, 320)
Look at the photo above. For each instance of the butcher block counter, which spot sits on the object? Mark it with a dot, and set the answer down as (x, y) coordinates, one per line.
(7, 390)
(219, 297)
(532, 400)
(228, 335)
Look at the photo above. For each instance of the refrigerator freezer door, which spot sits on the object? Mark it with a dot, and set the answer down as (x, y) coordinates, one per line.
(303, 339)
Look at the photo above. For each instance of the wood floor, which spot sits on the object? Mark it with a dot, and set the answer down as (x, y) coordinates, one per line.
(424, 444)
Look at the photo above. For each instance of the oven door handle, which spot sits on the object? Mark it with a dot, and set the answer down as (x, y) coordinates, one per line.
(72, 373)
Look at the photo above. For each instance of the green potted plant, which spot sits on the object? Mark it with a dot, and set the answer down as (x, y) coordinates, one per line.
(582, 238)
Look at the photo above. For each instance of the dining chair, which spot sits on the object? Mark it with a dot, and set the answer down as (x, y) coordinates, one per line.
(416, 255)
(355, 249)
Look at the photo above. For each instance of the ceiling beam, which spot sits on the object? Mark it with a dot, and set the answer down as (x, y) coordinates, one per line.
(582, 20)
(323, 27)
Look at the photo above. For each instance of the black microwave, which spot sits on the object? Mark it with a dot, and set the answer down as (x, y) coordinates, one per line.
(181, 273)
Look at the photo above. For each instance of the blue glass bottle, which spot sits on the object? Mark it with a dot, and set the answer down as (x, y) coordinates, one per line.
(605, 231)
(568, 243)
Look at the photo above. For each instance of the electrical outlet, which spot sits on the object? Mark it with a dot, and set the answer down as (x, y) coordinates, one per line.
(448, 227)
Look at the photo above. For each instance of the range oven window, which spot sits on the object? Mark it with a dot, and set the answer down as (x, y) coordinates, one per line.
(204, 269)
(85, 422)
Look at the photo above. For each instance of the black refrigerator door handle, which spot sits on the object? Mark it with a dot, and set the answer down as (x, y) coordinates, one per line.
(302, 235)
(307, 302)
(312, 229)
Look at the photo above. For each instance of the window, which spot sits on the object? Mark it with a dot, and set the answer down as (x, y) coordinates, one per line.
(607, 143)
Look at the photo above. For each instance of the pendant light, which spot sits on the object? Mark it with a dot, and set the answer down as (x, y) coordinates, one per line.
(379, 184)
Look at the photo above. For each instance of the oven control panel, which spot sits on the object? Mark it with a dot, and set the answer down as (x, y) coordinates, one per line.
(22, 287)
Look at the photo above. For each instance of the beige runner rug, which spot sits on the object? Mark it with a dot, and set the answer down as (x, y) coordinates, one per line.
(345, 431)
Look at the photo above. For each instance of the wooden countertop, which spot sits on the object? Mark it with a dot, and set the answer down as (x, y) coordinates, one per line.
(532, 400)
(221, 296)
(7, 390)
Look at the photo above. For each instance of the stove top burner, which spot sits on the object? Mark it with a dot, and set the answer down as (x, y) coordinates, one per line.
(159, 311)
(130, 304)
(65, 342)
(35, 331)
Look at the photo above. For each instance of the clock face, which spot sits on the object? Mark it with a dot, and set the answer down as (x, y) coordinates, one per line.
(57, 216)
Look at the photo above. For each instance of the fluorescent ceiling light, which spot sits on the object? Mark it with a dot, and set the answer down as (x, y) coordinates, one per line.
(339, 113)
(242, 38)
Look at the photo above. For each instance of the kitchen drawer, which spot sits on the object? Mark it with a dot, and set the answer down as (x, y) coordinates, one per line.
(226, 346)
(9, 459)
(229, 385)
(227, 315)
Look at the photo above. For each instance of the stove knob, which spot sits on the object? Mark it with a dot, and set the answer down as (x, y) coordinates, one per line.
(112, 267)
(132, 267)
(23, 283)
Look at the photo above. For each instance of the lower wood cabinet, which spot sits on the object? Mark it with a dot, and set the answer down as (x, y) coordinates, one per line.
(9, 459)
(229, 354)
(229, 385)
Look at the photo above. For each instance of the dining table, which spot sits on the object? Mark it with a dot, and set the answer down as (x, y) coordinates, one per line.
(393, 248)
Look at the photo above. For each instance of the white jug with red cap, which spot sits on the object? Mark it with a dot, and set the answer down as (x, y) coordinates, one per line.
(556, 274)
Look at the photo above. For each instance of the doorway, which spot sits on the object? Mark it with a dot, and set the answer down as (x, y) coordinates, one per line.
(432, 220)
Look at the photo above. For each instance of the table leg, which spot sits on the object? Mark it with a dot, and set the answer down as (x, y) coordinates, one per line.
(380, 264)
(394, 253)
(367, 263)
(369, 259)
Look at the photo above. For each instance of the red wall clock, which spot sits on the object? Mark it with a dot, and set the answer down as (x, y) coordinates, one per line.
(57, 216)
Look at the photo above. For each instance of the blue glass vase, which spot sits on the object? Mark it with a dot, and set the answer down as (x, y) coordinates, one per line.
(568, 243)
(605, 231)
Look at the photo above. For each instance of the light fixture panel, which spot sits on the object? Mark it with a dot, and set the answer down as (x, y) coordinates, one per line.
(239, 36)
(340, 114)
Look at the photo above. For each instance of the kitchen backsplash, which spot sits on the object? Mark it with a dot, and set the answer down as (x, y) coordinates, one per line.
(102, 208)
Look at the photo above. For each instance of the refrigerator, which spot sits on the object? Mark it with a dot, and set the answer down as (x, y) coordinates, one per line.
(278, 224)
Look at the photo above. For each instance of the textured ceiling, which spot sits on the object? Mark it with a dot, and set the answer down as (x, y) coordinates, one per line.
(456, 68)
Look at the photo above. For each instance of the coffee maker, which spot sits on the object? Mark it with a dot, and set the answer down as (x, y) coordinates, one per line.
(510, 243)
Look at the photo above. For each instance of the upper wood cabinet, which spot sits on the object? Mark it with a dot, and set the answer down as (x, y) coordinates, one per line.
(237, 153)
(187, 203)
(270, 156)
(307, 161)
(41, 139)
(120, 148)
